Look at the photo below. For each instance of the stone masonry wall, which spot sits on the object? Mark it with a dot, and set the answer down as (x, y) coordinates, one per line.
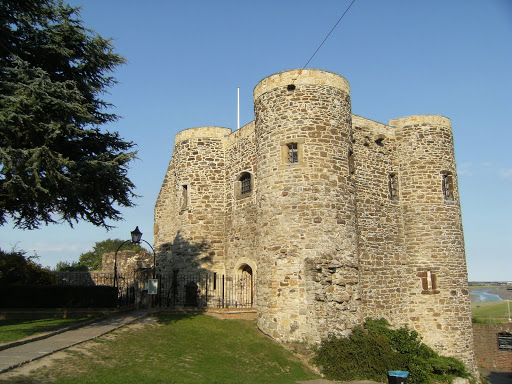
(380, 240)
(486, 346)
(240, 230)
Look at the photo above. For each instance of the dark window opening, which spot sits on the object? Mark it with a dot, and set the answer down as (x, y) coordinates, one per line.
(380, 141)
(447, 185)
(245, 183)
(393, 186)
(351, 165)
(293, 153)
(291, 87)
(184, 196)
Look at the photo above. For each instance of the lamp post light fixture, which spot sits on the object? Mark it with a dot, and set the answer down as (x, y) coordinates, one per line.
(136, 238)
(136, 235)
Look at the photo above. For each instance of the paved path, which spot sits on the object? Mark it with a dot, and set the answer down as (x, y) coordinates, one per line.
(21, 354)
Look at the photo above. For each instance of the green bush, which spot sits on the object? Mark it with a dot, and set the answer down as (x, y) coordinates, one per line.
(373, 350)
(16, 268)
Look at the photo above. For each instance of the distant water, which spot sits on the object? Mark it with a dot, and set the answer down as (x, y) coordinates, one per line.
(483, 295)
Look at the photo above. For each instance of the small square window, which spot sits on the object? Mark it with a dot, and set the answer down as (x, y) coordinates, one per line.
(292, 153)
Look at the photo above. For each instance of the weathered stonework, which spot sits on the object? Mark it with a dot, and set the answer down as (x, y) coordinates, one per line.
(337, 217)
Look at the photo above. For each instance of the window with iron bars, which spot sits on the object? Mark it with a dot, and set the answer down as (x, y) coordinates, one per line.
(245, 181)
(293, 153)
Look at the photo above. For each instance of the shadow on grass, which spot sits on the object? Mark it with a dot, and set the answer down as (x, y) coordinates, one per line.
(171, 318)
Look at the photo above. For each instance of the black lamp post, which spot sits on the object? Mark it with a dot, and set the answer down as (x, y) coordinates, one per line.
(136, 238)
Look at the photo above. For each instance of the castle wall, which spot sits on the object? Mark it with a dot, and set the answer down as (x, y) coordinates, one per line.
(380, 240)
(241, 212)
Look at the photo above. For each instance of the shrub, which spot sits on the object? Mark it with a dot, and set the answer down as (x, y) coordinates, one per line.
(371, 351)
(16, 268)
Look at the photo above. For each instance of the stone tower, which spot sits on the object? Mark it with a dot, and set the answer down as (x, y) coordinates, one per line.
(307, 251)
(438, 296)
(335, 217)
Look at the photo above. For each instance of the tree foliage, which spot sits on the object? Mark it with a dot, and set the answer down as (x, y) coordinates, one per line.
(55, 163)
(92, 259)
(16, 268)
(75, 266)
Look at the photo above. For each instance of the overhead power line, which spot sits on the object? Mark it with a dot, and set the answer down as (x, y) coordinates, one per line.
(326, 37)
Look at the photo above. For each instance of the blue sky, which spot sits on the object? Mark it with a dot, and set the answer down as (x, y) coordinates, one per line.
(401, 57)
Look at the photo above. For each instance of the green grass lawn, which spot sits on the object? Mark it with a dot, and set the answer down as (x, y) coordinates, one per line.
(12, 330)
(495, 310)
(178, 349)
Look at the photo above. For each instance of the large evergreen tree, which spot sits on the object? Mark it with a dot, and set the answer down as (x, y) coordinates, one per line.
(55, 162)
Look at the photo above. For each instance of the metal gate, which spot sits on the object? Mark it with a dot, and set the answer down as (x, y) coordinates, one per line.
(206, 290)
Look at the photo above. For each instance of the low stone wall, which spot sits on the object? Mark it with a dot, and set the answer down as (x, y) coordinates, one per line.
(486, 346)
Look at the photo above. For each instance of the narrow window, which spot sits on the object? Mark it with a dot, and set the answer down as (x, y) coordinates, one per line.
(447, 185)
(293, 153)
(351, 166)
(428, 282)
(393, 186)
(245, 181)
(184, 196)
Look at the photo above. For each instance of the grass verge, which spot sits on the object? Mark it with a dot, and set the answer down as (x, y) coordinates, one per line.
(12, 330)
(495, 311)
(177, 349)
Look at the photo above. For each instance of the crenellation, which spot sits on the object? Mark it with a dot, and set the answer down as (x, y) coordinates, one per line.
(334, 216)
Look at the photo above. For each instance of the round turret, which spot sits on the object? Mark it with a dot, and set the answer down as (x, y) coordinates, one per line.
(434, 240)
(191, 202)
(306, 208)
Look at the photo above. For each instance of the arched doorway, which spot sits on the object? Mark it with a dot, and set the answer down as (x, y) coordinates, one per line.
(245, 285)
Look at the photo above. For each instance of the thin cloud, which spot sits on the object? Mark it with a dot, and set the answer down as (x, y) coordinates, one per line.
(465, 169)
(505, 173)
